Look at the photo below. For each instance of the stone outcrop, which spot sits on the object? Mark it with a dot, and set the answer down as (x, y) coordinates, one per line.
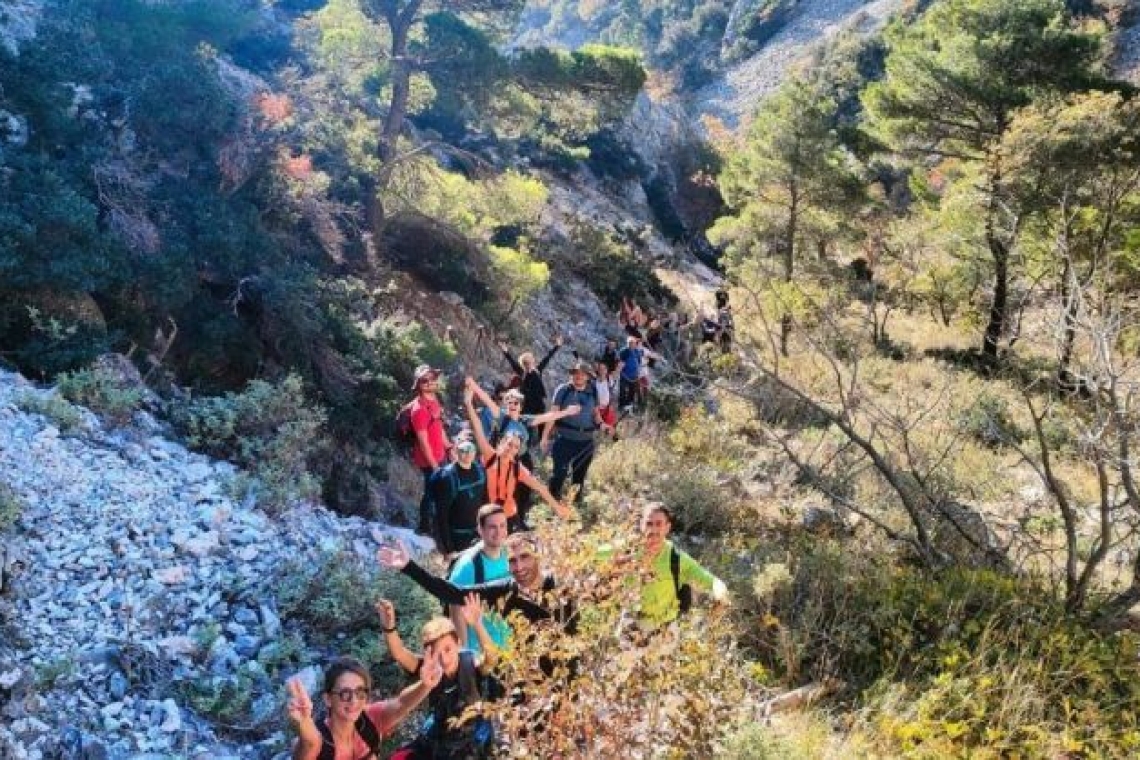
(132, 558)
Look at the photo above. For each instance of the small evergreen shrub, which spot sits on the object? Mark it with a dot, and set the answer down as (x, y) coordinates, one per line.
(102, 392)
(269, 429)
(11, 506)
(613, 270)
(988, 420)
(59, 411)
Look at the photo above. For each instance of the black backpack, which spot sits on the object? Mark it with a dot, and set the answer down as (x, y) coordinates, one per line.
(365, 729)
(683, 591)
(405, 435)
(476, 740)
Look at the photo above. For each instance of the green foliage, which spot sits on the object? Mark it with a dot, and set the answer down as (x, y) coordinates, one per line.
(59, 411)
(988, 420)
(49, 674)
(269, 429)
(337, 592)
(613, 270)
(947, 665)
(101, 391)
(222, 699)
(791, 177)
(11, 506)
(955, 77)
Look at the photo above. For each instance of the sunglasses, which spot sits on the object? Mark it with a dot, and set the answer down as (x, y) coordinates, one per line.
(347, 695)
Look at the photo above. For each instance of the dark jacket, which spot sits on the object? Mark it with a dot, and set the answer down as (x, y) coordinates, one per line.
(532, 387)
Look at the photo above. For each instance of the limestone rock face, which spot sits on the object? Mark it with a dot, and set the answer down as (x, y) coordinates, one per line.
(130, 571)
(18, 21)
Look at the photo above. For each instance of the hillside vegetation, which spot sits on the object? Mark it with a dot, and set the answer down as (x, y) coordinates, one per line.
(242, 225)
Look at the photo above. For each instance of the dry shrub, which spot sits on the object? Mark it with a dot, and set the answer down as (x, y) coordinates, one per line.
(616, 690)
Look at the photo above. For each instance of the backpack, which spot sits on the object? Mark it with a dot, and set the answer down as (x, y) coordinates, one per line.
(512, 481)
(365, 729)
(405, 435)
(478, 734)
(683, 591)
(475, 553)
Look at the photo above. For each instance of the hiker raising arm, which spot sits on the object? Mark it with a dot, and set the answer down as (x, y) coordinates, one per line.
(502, 460)
(531, 420)
(400, 653)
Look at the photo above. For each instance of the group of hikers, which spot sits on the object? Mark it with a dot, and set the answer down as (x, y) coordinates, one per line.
(478, 485)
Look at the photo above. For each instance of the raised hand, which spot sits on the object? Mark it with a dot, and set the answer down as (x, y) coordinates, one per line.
(472, 609)
(299, 708)
(393, 557)
(558, 340)
(387, 612)
(503, 345)
(431, 672)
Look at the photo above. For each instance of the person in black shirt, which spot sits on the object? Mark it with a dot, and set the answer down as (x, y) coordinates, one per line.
(458, 490)
(528, 590)
(532, 387)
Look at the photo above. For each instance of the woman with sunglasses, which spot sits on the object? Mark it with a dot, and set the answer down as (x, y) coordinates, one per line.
(354, 728)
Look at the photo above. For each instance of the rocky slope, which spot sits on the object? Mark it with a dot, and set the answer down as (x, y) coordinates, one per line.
(735, 95)
(127, 559)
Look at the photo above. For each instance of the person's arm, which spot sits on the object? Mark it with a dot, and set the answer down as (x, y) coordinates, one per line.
(485, 448)
(548, 430)
(400, 653)
(444, 499)
(399, 558)
(391, 712)
(462, 575)
(693, 573)
(515, 366)
(540, 488)
(484, 397)
(473, 615)
(553, 415)
(550, 354)
(300, 711)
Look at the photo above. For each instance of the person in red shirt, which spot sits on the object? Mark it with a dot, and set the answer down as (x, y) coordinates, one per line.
(432, 447)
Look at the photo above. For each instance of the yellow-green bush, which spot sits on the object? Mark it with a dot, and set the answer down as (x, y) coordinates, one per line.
(951, 664)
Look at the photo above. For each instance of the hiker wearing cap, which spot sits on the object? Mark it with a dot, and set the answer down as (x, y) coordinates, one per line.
(448, 731)
(505, 471)
(458, 490)
(431, 443)
(669, 573)
(571, 439)
(530, 372)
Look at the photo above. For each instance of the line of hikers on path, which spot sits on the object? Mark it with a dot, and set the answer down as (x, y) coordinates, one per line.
(477, 491)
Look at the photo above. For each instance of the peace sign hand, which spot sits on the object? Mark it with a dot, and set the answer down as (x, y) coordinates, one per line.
(431, 671)
(300, 710)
